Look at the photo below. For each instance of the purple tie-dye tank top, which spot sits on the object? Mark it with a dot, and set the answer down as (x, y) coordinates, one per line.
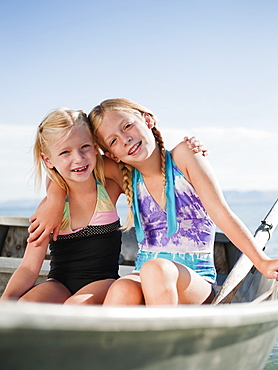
(195, 230)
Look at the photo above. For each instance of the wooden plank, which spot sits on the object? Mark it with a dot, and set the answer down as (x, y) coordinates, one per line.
(14, 221)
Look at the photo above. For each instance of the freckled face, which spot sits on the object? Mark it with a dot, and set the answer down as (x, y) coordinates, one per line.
(126, 136)
(74, 157)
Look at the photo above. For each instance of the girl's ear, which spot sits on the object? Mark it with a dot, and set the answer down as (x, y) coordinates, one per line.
(96, 149)
(111, 156)
(149, 120)
(47, 161)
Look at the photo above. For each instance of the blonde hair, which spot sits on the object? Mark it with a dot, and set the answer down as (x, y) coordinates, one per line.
(59, 123)
(129, 106)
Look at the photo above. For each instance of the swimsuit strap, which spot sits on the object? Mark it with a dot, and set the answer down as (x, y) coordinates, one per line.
(172, 224)
(170, 201)
(101, 204)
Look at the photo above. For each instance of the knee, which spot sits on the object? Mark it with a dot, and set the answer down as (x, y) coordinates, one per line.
(125, 292)
(158, 268)
(159, 282)
(120, 289)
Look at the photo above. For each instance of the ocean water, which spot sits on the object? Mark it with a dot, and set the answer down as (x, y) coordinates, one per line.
(251, 213)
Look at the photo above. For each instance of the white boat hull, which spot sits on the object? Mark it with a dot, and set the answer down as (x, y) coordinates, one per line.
(237, 336)
(43, 336)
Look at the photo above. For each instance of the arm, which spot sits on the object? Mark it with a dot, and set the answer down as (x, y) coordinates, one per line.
(48, 216)
(200, 174)
(27, 273)
(112, 171)
(113, 190)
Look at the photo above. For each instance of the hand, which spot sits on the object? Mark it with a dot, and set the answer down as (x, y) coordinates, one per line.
(269, 268)
(45, 221)
(39, 230)
(196, 145)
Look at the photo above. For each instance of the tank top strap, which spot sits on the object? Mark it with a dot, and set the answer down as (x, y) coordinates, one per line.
(170, 200)
(172, 224)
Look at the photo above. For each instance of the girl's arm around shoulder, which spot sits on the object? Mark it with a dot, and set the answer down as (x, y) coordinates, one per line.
(48, 215)
(200, 174)
(27, 273)
(112, 171)
(113, 190)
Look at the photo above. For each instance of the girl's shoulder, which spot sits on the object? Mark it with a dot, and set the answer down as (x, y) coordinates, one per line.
(186, 160)
(181, 147)
(180, 153)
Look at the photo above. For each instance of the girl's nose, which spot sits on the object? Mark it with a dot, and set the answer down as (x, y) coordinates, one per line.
(127, 140)
(78, 156)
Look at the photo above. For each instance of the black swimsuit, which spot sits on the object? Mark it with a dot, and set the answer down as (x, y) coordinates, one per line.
(89, 256)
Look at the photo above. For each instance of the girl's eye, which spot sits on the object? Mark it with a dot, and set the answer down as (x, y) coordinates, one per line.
(112, 142)
(86, 146)
(64, 152)
(128, 125)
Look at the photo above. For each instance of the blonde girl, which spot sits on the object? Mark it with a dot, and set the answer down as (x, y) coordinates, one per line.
(84, 258)
(175, 201)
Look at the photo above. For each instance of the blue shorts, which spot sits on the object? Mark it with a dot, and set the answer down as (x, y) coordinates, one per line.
(202, 264)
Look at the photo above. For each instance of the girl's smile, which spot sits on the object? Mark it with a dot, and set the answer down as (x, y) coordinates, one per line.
(81, 169)
(135, 148)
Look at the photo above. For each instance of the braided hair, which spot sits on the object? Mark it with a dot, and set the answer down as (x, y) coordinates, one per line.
(126, 105)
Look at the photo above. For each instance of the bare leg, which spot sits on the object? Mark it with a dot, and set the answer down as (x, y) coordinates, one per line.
(165, 282)
(125, 291)
(93, 293)
(47, 292)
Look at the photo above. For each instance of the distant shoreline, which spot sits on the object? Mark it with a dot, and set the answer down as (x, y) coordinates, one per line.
(232, 196)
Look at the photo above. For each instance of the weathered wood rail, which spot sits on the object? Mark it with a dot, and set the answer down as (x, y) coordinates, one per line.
(14, 232)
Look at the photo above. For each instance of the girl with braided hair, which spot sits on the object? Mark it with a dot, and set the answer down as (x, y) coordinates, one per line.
(175, 201)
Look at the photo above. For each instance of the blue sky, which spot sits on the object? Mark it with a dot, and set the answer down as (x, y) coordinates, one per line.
(207, 68)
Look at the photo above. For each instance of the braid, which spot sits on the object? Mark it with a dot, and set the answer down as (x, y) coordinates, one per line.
(127, 187)
(125, 105)
(160, 142)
